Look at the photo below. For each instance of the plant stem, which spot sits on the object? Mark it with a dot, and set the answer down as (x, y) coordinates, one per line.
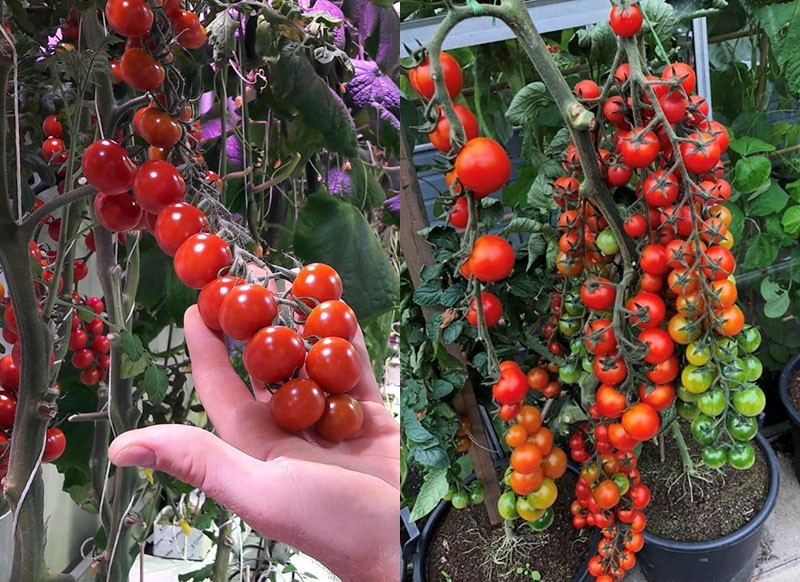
(686, 459)
(223, 556)
(30, 222)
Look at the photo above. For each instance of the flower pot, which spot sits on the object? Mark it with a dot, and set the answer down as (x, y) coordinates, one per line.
(792, 368)
(438, 515)
(731, 558)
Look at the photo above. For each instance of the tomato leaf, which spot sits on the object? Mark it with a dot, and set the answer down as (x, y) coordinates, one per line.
(751, 173)
(791, 221)
(537, 245)
(777, 307)
(430, 494)
(131, 368)
(370, 280)
(761, 252)
(131, 345)
(527, 102)
(747, 146)
(770, 201)
(154, 384)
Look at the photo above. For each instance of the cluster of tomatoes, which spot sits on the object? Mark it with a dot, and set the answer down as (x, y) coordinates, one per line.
(535, 464)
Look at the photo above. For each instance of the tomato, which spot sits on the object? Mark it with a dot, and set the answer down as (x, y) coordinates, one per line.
(607, 242)
(460, 499)
(600, 337)
(482, 166)
(684, 74)
(297, 405)
(612, 402)
(626, 20)
(8, 410)
(317, 283)
(742, 428)
(107, 167)
(544, 496)
(201, 258)
(714, 457)
(659, 396)
(334, 364)
(620, 438)
(332, 318)
(587, 90)
(158, 128)
(459, 213)
(653, 260)
(538, 378)
(187, 28)
(647, 310)
(274, 354)
(554, 464)
(54, 446)
(51, 147)
(659, 345)
(705, 430)
(741, 456)
(660, 188)
(673, 105)
(614, 110)
(511, 387)
(129, 17)
(638, 148)
(606, 494)
(492, 258)
(51, 126)
(440, 136)
(683, 330)
(508, 411)
(245, 309)
(544, 521)
(342, 419)
(610, 370)
(492, 309)
(526, 458)
(618, 175)
(701, 154)
(749, 401)
(651, 283)
(476, 493)
(543, 439)
(665, 371)
(524, 483)
(9, 373)
(590, 473)
(730, 321)
(140, 70)
(158, 184)
(507, 504)
(516, 435)
(749, 339)
(598, 293)
(117, 212)
(421, 81)
(177, 223)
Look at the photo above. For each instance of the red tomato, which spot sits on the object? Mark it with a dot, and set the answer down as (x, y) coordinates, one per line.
(8, 410)
(492, 309)
(245, 309)
(653, 260)
(200, 259)
(51, 147)
(210, 299)
(659, 344)
(641, 421)
(117, 212)
(274, 354)
(636, 225)
(638, 148)
(176, 223)
(482, 166)
(187, 28)
(600, 337)
(440, 136)
(660, 396)
(618, 175)
(54, 446)
(331, 319)
(420, 77)
(684, 74)
(606, 494)
(342, 418)
(648, 310)
(158, 128)
(620, 438)
(718, 263)
(140, 70)
(587, 89)
(315, 283)
(333, 363)
(611, 402)
(598, 293)
(52, 127)
(701, 154)
(492, 258)
(664, 372)
(512, 386)
(158, 184)
(609, 370)
(297, 405)
(660, 188)
(459, 213)
(129, 17)
(626, 20)
(108, 168)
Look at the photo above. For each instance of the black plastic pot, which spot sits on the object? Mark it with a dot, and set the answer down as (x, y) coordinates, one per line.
(791, 369)
(431, 528)
(728, 559)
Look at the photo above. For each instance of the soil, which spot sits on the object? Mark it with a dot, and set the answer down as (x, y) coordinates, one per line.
(461, 543)
(717, 504)
(794, 391)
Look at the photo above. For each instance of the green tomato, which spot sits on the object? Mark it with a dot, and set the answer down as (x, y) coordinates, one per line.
(698, 354)
(507, 505)
(734, 371)
(704, 430)
(686, 410)
(749, 339)
(712, 402)
(476, 493)
(622, 482)
(685, 395)
(460, 500)
(452, 490)
(697, 379)
(742, 428)
(714, 457)
(752, 368)
(588, 365)
(741, 456)
(576, 348)
(568, 374)
(543, 522)
(569, 325)
(607, 242)
(750, 400)
(573, 304)
(726, 349)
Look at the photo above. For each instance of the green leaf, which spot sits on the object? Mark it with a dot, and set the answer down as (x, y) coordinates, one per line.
(537, 245)
(770, 290)
(428, 295)
(522, 224)
(154, 384)
(777, 307)
(204, 573)
(737, 220)
(791, 220)
(441, 388)
(747, 146)
(539, 193)
(221, 34)
(451, 332)
(430, 494)
(663, 18)
(515, 193)
(782, 25)
(760, 252)
(132, 368)
(770, 201)
(131, 345)
(331, 231)
(751, 173)
(527, 102)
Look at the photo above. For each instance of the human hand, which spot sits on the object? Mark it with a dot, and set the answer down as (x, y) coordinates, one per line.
(337, 502)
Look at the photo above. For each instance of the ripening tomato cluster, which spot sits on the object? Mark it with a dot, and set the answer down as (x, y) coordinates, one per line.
(274, 354)
(535, 464)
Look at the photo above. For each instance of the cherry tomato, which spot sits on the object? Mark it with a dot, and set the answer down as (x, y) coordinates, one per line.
(638, 148)
(117, 212)
(140, 70)
(331, 318)
(52, 127)
(8, 410)
(659, 345)
(200, 259)
(297, 405)
(316, 283)
(511, 387)
(440, 136)
(598, 293)
(342, 418)
(54, 446)
(177, 223)
(245, 309)
(158, 184)
(421, 81)
(187, 28)
(108, 168)
(129, 17)
(641, 421)
(492, 309)
(492, 258)
(274, 354)
(333, 363)
(626, 20)
(158, 128)
(482, 166)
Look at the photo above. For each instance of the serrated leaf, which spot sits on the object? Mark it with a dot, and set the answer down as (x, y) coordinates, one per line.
(751, 173)
(221, 34)
(663, 18)
(747, 146)
(154, 384)
(777, 307)
(782, 26)
(441, 388)
(539, 193)
(537, 245)
(526, 104)
(451, 332)
(522, 224)
(428, 295)
(559, 142)
(131, 345)
(770, 201)
(791, 220)
(131, 368)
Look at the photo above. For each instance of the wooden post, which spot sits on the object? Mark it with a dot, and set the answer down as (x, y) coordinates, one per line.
(417, 254)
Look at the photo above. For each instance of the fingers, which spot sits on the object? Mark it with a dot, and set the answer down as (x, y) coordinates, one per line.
(217, 383)
(367, 387)
(300, 503)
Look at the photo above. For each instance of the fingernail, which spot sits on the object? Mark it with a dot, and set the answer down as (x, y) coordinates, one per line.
(135, 455)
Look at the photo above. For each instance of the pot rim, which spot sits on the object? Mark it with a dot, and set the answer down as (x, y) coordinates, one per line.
(745, 531)
(788, 372)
